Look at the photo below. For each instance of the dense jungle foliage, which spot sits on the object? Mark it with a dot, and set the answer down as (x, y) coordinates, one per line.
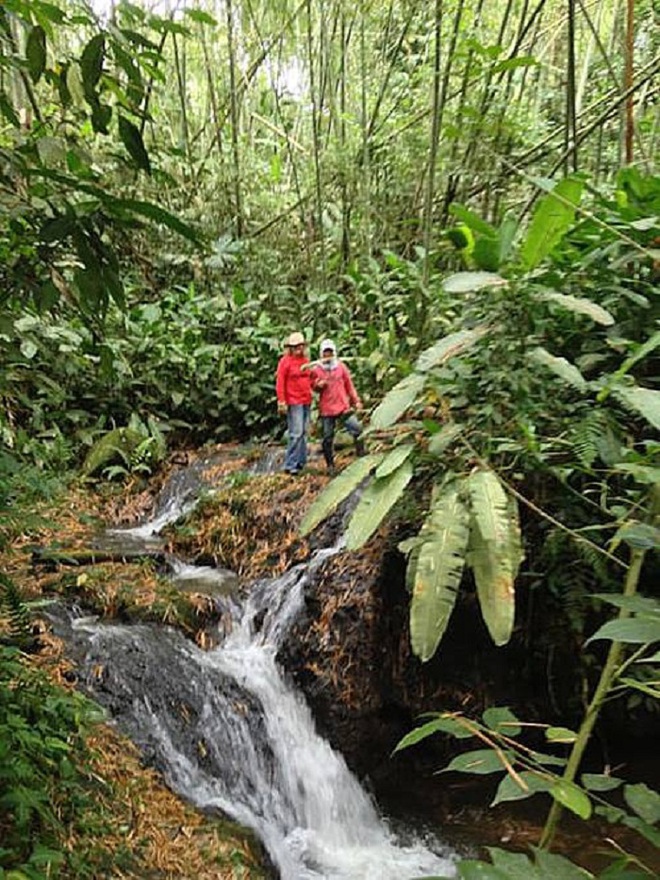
(463, 194)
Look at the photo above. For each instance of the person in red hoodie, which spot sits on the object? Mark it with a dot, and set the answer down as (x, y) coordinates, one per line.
(337, 400)
(293, 386)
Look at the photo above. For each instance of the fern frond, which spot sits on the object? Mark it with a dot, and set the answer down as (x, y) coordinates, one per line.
(434, 569)
(20, 624)
(586, 436)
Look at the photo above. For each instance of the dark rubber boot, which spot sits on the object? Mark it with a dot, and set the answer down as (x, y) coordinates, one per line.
(359, 446)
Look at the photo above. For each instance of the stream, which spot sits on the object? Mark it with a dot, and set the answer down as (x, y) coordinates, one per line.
(230, 733)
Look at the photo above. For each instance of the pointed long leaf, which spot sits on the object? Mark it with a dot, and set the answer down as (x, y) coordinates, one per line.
(448, 347)
(434, 570)
(340, 488)
(132, 140)
(465, 282)
(644, 401)
(495, 553)
(397, 401)
(562, 368)
(394, 459)
(578, 304)
(552, 218)
(378, 499)
(35, 52)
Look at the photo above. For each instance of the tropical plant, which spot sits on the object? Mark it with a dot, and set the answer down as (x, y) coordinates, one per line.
(487, 384)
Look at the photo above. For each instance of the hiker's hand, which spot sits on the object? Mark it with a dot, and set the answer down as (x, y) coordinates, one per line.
(359, 407)
(281, 408)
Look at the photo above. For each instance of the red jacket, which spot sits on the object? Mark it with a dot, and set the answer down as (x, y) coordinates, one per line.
(293, 385)
(338, 394)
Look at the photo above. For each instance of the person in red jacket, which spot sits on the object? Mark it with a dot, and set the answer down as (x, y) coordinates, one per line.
(293, 385)
(337, 400)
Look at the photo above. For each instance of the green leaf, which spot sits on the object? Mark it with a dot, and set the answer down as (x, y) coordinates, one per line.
(643, 401)
(551, 220)
(469, 869)
(7, 110)
(201, 17)
(434, 570)
(132, 140)
(394, 459)
(338, 489)
(442, 724)
(510, 789)
(448, 347)
(639, 354)
(376, 502)
(479, 761)
(631, 631)
(444, 438)
(515, 866)
(561, 367)
(397, 401)
(474, 221)
(91, 64)
(553, 867)
(35, 52)
(642, 536)
(644, 801)
(573, 798)
(502, 720)
(464, 282)
(579, 305)
(560, 735)
(635, 604)
(154, 212)
(600, 782)
(494, 552)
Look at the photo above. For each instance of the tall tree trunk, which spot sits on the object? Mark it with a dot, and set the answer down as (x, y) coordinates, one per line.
(571, 120)
(628, 80)
(235, 120)
(427, 224)
(319, 232)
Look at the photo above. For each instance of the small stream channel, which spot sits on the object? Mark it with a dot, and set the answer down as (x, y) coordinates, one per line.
(230, 733)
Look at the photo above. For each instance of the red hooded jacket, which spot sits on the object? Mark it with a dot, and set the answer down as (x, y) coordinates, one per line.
(337, 393)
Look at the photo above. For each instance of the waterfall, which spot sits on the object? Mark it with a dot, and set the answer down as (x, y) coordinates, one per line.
(230, 733)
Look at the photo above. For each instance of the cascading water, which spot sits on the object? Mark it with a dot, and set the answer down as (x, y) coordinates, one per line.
(230, 733)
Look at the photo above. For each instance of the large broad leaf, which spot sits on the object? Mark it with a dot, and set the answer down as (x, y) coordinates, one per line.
(377, 500)
(444, 438)
(518, 788)
(552, 218)
(551, 866)
(132, 140)
(441, 724)
(479, 761)
(35, 52)
(474, 221)
(562, 368)
(640, 353)
(578, 304)
(494, 552)
(644, 401)
(644, 801)
(397, 401)
(448, 347)
(91, 64)
(502, 720)
(631, 631)
(153, 212)
(434, 570)
(340, 488)
(465, 282)
(572, 797)
(394, 460)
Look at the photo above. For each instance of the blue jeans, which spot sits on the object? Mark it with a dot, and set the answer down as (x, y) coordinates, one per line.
(297, 420)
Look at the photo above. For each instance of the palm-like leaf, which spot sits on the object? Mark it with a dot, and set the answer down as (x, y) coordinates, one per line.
(394, 460)
(378, 499)
(562, 368)
(340, 488)
(495, 552)
(397, 401)
(465, 282)
(644, 401)
(448, 347)
(552, 218)
(580, 305)
(434, 570)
